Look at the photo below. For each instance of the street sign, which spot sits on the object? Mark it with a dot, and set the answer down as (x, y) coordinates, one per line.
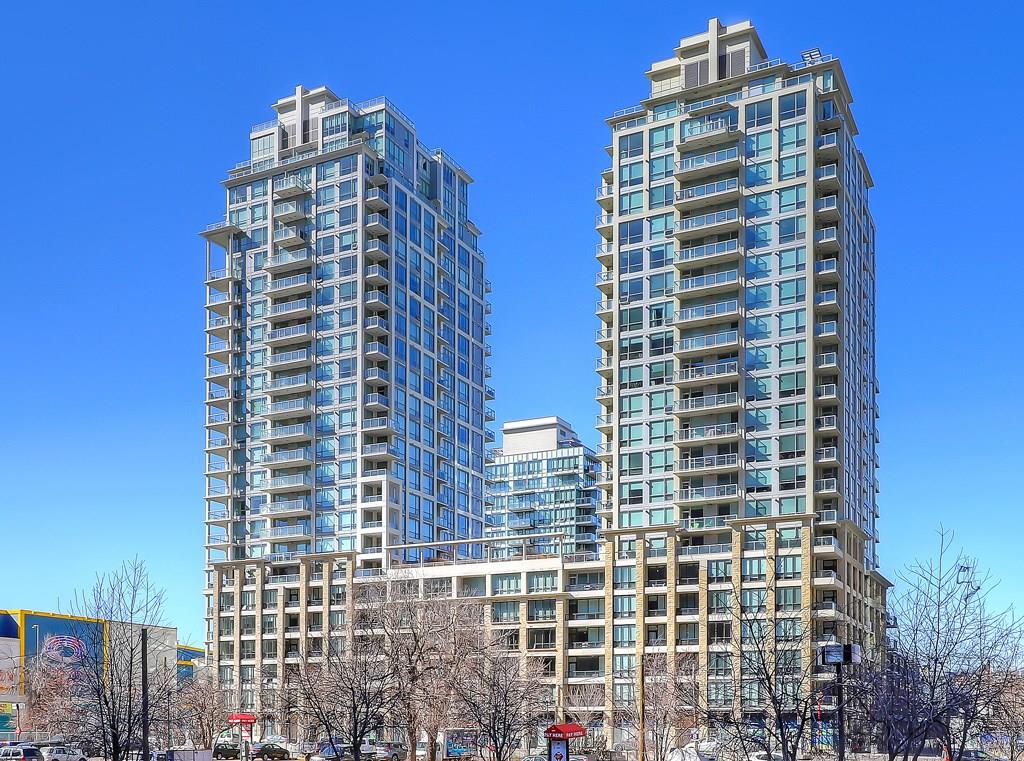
(242, 719)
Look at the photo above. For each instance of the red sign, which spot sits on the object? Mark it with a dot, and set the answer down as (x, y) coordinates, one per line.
(565, 731)
(247, 719)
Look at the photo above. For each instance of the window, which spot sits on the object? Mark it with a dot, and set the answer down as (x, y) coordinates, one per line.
(631, 145)
(792, 291)
(758, 114)
(792, 415)
(792, 261)
(793, 199)
(759, 146)
(631, 464)
(719, 601)
(787, 599)
(792, 229)
(662, 137)
(631, 435)
(660, 255)
(631, 232)
(754, 600)
(793, 353)
(792, 323)
(661, 196)
(792, 477)
(631, 174)
(792, 136)
(662, 168)
(661, 285)
(661, 343)
(792, 505)
(790, 106)
(759, 205)
(753, 569)
(759, 174)
(631, 318)
(787, 567)
(631, 203)
(792, 445)
(719, 571)
(631, 260)
(791, 384)
(660, 314)
(793, 166)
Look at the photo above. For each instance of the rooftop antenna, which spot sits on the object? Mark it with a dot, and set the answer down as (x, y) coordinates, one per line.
(811, 56)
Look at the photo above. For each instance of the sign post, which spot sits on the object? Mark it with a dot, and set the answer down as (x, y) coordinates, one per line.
(558, 737)
(243, 720)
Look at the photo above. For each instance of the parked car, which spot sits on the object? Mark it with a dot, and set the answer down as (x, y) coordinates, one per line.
(226, 750)
(762, 755)
(21, 753)
(62, 753)
(385, 751)
(269, 752)
(979, 755)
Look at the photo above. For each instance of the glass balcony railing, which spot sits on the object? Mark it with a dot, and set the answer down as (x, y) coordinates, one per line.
(695, 343)
(707, 250)
(711, 188)
(707, 220)
(708, 310)
(707, 371)
(708, 159)
(698, 433)
(705, 281)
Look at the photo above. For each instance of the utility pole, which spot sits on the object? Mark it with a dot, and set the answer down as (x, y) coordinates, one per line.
(170, 685)
(145, 694)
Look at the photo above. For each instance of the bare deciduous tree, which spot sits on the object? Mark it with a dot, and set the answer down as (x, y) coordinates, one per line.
(659, 703)
(200, 712)
(584, 705)
(503, 697)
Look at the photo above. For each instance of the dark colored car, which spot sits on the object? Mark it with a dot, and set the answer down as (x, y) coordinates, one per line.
(270, 752)
(226, 750)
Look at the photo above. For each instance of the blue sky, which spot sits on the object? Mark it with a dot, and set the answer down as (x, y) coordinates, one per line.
(121, 120)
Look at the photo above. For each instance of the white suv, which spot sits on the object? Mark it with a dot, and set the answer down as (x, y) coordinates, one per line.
(62, 753)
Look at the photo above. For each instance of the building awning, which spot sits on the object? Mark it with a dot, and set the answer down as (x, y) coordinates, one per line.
(565, 731)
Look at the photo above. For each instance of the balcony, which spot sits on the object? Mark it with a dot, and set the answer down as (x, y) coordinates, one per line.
(827, 545)
(284, 507)
(219, 326)
(219, 349)
(376, 326)
(708, 433)
(703, 374)
(289, 334)
(288, 260)
(605, 225)
(376, 298)
(826, 579)
(826, 360)
(826, 208)
(825, 455)
(292, 309)
(289, 211)
(375, 351)
(218, 372)
(706, 343)
(827, 177)
(377, 224)
(712, 223)
(826, 423)
(605, 423)
(697, 196)
(707, 164)
(219, 302)
(713, 282)
(827, 392)
(221, 232)
(826, 240)
(606, 282)
(293, 284)
(707, 523)
(376, 249)
(291, 384)
(827, 329)
(712, 463)
(827, 301)
(827, 146)
(709, 133)
(377, 199)
(376, 402)
(708, 253)
(381, 451)
(605, 254)
(707, 313)
(287, 483)
(290, 359)
(826, 486)
(606, 309)
(827, 270)
(826, 609)
(704, 549)
(289, 235)
(718, 493)
(287, 457)
(605, 196)
(605, 366)
(605, 338)
(277, 532)
(380, 425)
(289, 433)
(376, 376)
(377, 274)
(289, 187)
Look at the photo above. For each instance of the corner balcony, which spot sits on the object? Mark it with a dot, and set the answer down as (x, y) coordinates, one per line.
(606, 282)
(703, 374)
(218, 444)
(290, 360)
(377, 274)
(377, 199)
(707, 523)
(706, 343)
(222, 278)
(219, 302)
(606, 254)
(698, 405)
(826, 455)
(711, 464)
(827, 270)
(712, 223)
(827, 146)
(375, 351)
(706, 164)
(376, 326)
(698, 196)
(827, 177)
(605, 338)
(711, 434)
(606, 309)
(827, 301)
(285, 434)
(219, 349)
(712, 282)
(606, 395)
(221, 232)
(718, 493)
(384, 425)
(377, 224)
(708, 253)
(605, 423)
(605, 196)
(827, 545)
(296, 482)
(826, 208)
(605, 366)
(289, 334)
(827, 486)
(290, 384)
(291, 309)
(289, 236)
(380, 451)
(286, 260)
(288, 286)
(290, 211)
(826, 240)
(707, 313)
(218, 372)
(289, 187)
(826, 580)
(826, 424)
(218, 420)
(220, 326)
(288, 408)
(605, 224)
(376, 250)
(708, 134)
